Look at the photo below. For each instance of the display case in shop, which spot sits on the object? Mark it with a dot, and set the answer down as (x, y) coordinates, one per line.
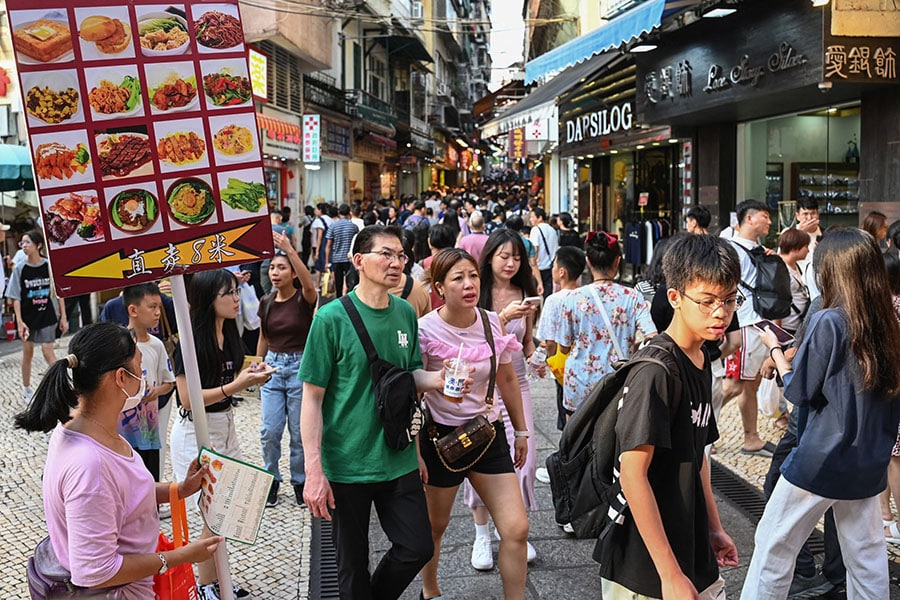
(774, 183)
(835, 186)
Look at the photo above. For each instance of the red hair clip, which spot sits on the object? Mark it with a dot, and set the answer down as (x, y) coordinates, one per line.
(610, 239)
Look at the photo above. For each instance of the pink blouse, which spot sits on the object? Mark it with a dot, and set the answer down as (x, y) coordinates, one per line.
(439, 340)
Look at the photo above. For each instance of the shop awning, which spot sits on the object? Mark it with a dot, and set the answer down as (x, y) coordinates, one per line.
(407, 46)
(381, 140)
(623, 28)
(280, 129)
(15, 168)
(541, 103)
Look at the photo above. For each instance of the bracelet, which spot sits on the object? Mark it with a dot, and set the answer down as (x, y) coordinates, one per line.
(523, 434)
(774, 348)
(224, 394)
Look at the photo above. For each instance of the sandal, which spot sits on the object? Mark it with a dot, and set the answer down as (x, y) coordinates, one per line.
(892, 535)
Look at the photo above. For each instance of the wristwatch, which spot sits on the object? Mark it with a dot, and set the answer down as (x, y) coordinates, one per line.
(165, 564)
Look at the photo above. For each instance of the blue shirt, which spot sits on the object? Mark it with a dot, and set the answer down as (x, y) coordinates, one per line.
(845, 433)
(342, 232)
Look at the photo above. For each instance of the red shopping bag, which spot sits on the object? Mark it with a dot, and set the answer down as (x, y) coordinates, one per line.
(177, 583)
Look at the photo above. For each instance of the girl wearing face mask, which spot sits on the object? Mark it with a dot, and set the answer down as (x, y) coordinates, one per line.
(89, 466)
(214, 297)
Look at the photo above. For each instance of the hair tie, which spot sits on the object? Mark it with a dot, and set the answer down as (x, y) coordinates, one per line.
(72, 360)
(609, 240)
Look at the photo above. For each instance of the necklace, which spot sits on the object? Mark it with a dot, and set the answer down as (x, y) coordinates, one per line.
(115, 437)
(599, 279)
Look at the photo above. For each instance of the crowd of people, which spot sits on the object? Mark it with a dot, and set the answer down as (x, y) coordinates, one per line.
(487, 277)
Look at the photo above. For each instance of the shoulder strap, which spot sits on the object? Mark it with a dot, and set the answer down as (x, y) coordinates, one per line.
(608, 323)
(407, 287)
(360, 328)
(546, 247)
(164, 321)
(750, 254)
(489, 336)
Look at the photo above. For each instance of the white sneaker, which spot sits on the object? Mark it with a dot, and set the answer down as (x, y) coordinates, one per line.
(542, 475)
(482, 555)
(27, 393)
(568, 528)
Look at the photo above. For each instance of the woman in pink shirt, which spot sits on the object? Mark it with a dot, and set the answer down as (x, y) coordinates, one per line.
(99, 499)
(455, 276)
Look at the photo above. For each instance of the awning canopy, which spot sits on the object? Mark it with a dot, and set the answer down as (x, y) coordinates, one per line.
(381, 140)
(15, 168)
(623, 28)
(278, 128)
(541, 103)
(407, 46)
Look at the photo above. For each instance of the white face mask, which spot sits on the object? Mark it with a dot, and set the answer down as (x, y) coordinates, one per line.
(132, 401)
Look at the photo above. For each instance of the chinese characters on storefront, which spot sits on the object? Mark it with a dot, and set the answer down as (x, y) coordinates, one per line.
(517, 143)
(868, 62)
(144, 140)
(311, 139)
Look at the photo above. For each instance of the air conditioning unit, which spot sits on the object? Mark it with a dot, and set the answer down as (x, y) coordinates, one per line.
(442, 88)
(418, 11)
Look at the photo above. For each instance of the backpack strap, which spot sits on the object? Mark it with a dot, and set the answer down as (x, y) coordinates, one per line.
(747, 252)
(407, 287)
(489, 336)
(360, 328)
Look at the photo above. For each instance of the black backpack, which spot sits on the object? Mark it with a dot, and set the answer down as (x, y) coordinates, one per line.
(585, 487)
(396, 397)
(772, 295)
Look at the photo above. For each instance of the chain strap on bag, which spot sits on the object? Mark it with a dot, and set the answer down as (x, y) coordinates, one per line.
(478, 433)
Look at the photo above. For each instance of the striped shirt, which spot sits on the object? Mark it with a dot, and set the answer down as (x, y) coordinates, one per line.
(342, 232)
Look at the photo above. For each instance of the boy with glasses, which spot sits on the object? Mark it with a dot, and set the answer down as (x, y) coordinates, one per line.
(674, 549)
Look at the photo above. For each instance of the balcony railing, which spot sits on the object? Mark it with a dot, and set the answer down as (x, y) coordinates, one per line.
(320, 89)
(372, 108)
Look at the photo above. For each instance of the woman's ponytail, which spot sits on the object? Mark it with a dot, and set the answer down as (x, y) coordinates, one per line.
(52, 401)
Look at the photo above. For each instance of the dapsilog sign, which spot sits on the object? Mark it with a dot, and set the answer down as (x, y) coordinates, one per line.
(600, 123)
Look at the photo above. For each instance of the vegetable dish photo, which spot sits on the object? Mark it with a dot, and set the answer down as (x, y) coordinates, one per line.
(133, 211)
(241, 195)
(161, 33)
(224, 89)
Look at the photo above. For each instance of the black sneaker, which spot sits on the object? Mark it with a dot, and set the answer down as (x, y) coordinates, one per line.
(298, 493)
(809, 587)
(272, 498)
(210, 591)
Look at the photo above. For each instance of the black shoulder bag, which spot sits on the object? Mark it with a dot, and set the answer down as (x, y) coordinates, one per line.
(475, 436)
(396, 397)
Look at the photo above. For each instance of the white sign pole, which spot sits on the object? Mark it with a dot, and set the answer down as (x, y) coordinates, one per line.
(198, 409)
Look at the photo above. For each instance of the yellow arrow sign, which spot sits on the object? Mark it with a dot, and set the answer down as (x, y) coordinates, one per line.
(213, 248)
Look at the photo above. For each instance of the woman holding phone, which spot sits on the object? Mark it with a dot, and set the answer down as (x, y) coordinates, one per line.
(458, 328)
(845, 385)
(506, 284)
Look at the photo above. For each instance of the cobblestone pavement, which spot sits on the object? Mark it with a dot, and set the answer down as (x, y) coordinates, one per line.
(276, 567)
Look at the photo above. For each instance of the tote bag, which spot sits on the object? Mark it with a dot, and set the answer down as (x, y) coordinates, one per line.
(177, 583)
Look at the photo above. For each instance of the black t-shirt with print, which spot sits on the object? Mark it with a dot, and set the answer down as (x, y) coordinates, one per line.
(230, 367)
(36, 299)
(678, 429)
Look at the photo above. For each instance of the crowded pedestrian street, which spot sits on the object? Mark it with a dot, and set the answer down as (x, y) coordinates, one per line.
(278, 566)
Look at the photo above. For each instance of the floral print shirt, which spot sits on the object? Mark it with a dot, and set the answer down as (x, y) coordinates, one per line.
(581, 326)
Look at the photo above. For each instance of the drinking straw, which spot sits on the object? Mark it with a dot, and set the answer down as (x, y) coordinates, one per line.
(459, 355)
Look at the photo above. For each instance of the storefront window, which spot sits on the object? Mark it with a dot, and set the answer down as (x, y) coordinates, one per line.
(812, 156)
(273, 187)
(621, 194)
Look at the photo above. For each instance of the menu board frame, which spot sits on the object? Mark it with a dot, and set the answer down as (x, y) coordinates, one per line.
(143, 136)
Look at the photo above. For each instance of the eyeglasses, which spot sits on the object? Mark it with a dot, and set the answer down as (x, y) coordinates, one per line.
(234, 293)
(390, 257)
(709, 305)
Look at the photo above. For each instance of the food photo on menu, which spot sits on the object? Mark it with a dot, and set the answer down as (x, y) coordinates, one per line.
(162, 31)
(104, 32)
(133, 209)
(72, 219)
(190, 201)
(180, 145)
(217, 27)
(61, 158)
(114, 92)
(123, 152)
(42, 36)
(235, 139)
(226, 83)
(243, 193)
(172, 87)
(52, 98)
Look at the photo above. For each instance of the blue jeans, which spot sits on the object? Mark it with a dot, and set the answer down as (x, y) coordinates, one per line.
(281, 398)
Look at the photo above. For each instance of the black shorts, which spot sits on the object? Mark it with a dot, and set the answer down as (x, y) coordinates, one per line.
(496, 459)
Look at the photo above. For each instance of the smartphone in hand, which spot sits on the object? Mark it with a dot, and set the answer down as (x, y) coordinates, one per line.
(535, 301)
(783, 336)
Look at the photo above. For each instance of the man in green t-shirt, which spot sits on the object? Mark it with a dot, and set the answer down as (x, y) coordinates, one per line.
(348, 464)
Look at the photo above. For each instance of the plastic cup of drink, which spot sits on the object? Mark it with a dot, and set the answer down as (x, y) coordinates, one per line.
(455, 376)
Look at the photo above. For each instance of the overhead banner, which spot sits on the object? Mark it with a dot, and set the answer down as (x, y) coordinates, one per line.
(143, 137)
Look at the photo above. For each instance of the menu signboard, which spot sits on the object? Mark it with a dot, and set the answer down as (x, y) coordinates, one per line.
(143, 137)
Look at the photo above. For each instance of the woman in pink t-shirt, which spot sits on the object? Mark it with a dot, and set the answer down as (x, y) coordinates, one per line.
(454, 275)
(99, 499)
